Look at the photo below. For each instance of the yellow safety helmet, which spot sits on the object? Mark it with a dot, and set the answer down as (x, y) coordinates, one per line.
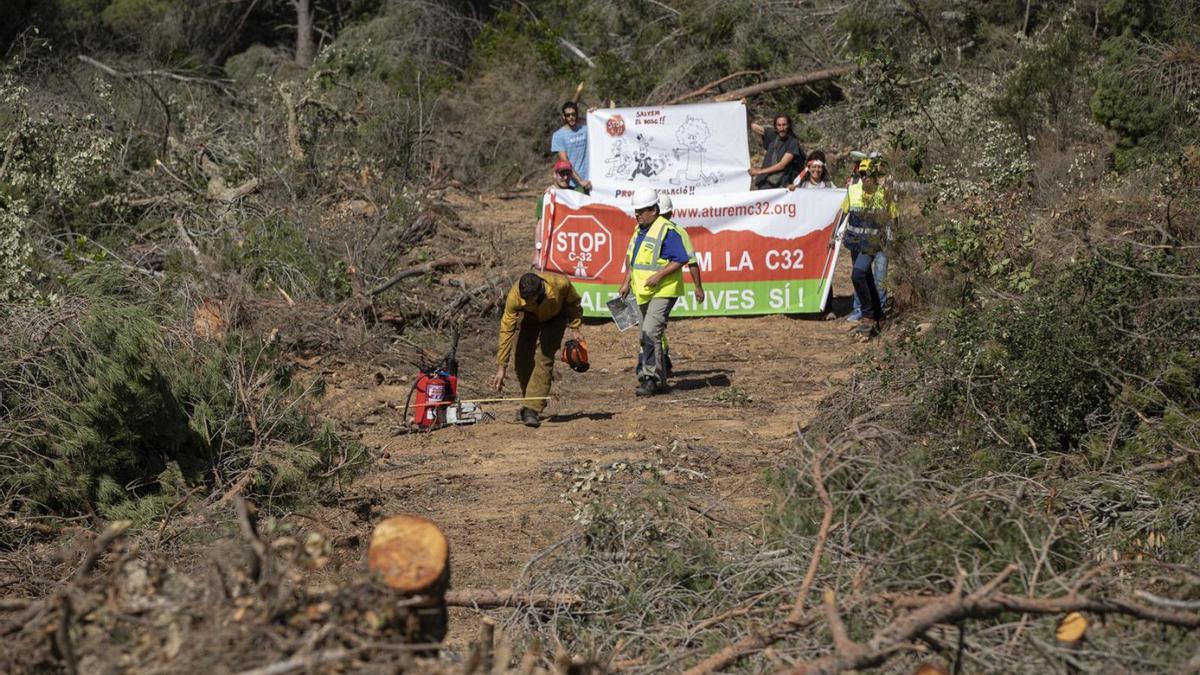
(872, 166)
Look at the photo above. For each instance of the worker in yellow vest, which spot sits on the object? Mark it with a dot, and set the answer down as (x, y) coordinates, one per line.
(654, 264)
(871, 213)
(666, 209)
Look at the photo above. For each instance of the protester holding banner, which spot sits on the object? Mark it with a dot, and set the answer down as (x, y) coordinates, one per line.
(783, 158)
(563, 175)
(871, 213)
(538, 309)
(814, 174)
(570, 143)
(654, 263)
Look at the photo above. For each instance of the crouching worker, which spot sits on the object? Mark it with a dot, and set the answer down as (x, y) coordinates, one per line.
(538, 310)
(654, 274)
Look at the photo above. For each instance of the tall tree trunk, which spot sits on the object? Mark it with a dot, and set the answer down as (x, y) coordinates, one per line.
(304, 32)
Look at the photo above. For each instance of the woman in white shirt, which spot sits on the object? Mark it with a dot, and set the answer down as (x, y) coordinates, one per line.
(814, 174)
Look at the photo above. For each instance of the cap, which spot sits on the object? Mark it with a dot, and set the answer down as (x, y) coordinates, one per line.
(563, 165)
(643, 198)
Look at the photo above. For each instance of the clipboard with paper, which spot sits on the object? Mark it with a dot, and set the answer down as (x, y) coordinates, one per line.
(625, 312)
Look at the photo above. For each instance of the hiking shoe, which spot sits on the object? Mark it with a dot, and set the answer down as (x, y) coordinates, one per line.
(867, 329)
(529, 418)
(855, 315)
(647, 388)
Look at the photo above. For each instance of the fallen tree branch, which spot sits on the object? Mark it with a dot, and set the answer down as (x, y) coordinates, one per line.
(295, 150)
(98, 548)
(1162, 465)
(572, 48)
(710, 86)
(425, 268)
(493, 599)
(223, 85)
(301, 662)
(258, 566)
(218, 189)
(984, 603)
(784, 82)
(35, 609)
(796, 618)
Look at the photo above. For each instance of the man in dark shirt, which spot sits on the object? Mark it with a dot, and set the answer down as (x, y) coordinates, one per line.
(784, 155)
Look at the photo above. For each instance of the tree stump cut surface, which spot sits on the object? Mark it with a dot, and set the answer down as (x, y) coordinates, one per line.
(409, 554)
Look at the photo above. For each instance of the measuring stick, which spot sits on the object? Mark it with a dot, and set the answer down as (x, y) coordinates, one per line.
(488, 400)
(497, 400)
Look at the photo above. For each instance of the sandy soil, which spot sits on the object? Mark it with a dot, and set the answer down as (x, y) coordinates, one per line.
(740, 388)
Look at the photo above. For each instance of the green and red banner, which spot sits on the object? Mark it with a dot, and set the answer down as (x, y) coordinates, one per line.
(763, 252)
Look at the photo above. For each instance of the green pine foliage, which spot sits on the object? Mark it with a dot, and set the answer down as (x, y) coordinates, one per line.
(1123, 103)
(1040, 370)
(104, 412)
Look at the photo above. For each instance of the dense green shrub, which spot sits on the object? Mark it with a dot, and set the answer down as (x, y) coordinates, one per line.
(103, 411)
(1038, 370)
(1124, 103)
(1042, 88)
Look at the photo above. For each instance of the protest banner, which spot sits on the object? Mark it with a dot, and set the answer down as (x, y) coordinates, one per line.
(764, 252)
(675, 149)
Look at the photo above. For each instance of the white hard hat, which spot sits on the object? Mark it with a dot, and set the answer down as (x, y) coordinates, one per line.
(664, 203)
(644, 197)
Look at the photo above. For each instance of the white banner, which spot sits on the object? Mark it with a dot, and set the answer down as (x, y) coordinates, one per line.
(764, 252)
(676, 149)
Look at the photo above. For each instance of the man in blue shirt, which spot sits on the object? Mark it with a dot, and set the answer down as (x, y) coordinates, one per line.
(569, 142)
(672, 248)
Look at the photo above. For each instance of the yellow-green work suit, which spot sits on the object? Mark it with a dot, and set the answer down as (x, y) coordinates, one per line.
(537, 331)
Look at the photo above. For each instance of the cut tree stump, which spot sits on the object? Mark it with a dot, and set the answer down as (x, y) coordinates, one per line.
(409, 554)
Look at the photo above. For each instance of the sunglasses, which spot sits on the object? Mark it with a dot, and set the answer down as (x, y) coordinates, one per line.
(565, 174)
(570, 114)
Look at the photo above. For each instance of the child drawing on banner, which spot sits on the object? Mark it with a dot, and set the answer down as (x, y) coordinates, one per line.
(647, 164)
(619, 161)
(691, 135)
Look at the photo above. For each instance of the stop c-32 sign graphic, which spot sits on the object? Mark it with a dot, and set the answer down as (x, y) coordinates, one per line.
(581, 247)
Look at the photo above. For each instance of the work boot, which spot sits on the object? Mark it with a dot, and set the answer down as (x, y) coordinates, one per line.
(529, 418)
(647, 387)
(866, 329)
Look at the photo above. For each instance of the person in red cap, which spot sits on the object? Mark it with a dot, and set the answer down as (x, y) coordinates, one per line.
(563, 172)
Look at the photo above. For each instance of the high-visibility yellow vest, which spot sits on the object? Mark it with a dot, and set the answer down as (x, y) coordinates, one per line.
(869, 214)
(647, 260)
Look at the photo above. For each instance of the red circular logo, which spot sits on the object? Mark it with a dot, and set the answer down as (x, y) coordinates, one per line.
(615, 126)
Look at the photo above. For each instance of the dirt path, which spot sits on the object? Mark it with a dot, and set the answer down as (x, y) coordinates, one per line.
(741, 386)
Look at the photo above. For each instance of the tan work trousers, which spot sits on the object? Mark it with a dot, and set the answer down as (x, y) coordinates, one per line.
(536, 345)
